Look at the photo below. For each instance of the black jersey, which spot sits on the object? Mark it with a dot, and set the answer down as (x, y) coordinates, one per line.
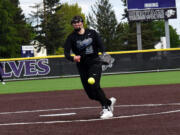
(84, 45)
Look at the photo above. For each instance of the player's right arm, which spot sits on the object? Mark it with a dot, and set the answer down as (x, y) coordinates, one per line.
(77, 58)
(67, 51)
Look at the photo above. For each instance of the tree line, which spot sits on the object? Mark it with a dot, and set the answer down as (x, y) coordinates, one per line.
(49, 23)
(14, 30)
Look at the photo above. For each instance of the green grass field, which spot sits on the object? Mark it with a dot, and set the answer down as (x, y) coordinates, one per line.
(155, 78)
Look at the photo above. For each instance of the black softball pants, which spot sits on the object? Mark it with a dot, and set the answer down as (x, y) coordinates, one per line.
(94, 91)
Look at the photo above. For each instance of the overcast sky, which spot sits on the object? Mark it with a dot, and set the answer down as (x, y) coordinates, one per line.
(86, 8)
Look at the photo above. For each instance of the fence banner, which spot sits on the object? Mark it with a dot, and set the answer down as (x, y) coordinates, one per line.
(60, 67)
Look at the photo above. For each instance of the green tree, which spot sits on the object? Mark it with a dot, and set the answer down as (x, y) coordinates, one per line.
(66, 13)
(34, 18)
(152, 31)
(14, 31)
(125, 15)
(158, 26)
(104, 21)
(127, 36)
(174, 38)
(50, 31)
(148, 35)
(147, 32)
(54, 33)
(25, 31)
(8, 33)
(52, 24)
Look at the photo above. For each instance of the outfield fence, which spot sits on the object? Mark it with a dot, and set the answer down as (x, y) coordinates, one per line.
(125, 62)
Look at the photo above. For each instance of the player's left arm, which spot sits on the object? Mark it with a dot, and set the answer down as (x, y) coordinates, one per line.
(99, 43)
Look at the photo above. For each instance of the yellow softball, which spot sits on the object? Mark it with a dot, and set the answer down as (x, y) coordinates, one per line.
(91, 80)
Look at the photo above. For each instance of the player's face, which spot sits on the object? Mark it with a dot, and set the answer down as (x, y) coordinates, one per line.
(77, 25)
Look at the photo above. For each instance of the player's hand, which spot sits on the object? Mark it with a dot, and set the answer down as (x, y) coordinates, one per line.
(77, 58)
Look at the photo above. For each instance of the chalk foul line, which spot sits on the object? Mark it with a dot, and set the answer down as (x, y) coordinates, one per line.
(55, 115)
(81, 108)
(89, 120)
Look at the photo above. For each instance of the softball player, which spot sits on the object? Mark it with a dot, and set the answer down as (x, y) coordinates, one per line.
(1, 70)
(85, 44)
